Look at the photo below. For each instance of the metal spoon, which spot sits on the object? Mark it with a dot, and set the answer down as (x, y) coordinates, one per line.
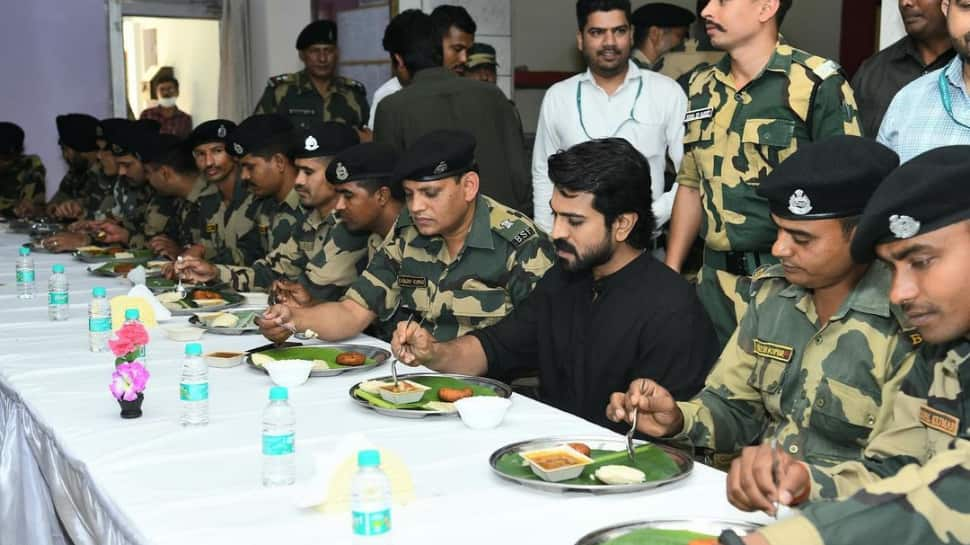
(633, 427)
(179, 288)
(774, 472)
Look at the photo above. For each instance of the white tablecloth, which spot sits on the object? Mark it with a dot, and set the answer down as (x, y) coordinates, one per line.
(64, 447)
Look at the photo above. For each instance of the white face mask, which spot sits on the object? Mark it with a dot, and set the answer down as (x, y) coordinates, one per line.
(167, 102)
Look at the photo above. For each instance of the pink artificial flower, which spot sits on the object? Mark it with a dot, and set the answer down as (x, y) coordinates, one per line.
(119, 346)
(135, 332)
(128, 380)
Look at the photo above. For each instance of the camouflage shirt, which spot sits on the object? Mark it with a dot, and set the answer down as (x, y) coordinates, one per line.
(734, 137)
(74, 183)
(97, 198)
(22, 179)
(295, 97)
(227, 230)
(162, 216)
(918, 504)
(503, 257)
(817, 388)
(131, 209)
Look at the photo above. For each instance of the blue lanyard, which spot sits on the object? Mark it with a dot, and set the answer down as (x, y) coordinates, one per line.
(579, 107)
(947, 99)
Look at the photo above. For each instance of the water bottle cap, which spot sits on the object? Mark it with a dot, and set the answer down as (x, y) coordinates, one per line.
(131, 314)
(278, 393)
(58, 268)
(24, 250)
(368, 458)
(99, 292)
(193, 349)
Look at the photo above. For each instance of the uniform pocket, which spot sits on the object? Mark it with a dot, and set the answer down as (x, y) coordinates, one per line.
(767, 375)
(479, 303)
(766, 143)
(843, 413)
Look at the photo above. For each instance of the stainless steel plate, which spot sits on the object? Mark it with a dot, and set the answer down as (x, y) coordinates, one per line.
(500, 388)
(85, 257)
(378, 355)
(194, 320)
(232, 299)
(682, 459)
(704, 526)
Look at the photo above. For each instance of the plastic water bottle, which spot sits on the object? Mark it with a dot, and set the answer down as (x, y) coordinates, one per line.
(57, 294)
(279, 425)
(99, 320)
(194, 387)
(370, 501)
(25, 274)
(132, 315)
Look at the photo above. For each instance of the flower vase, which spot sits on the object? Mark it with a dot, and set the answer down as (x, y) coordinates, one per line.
(131, 409)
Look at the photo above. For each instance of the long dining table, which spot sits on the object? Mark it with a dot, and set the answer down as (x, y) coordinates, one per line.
(73, 471)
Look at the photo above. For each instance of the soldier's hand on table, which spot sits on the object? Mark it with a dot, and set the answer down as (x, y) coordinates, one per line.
(81, 226)
(755, 539)
(195, 270)
(291, 293)
(168, 270)
(751, 484)
(276, 323)
(25, 209)
(412, 344)
(111, 233)
(195, 250)
(64, 242)
(68, 210)
(164, 246)
(659, 415)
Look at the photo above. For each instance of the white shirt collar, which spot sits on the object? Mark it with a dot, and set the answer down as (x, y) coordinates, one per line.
(632, 73)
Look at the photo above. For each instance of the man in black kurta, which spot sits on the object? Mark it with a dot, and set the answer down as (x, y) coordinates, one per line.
(605, 313)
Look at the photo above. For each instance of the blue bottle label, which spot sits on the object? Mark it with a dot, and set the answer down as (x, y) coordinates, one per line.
(25, 275)
(99, 325)
(194, 392)
(57, 298)
(277, 445)
(372, 524)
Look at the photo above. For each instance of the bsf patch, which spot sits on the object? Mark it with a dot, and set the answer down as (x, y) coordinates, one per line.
(915, 338)
(773, 351)
(939, 420)
(406, 281)
(523, 236)
(211, 228)
(694, 115)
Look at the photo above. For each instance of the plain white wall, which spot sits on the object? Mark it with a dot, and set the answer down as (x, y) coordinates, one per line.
(274, 26)
(191, 46)
(891, 24)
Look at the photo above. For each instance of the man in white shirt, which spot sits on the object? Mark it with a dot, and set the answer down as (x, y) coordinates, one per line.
(453, 26)
(612, 98)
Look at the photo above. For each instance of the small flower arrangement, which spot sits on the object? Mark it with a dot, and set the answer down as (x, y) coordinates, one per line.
(130, 376)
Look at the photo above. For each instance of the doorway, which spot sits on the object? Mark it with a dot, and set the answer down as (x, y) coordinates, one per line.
(189, 47)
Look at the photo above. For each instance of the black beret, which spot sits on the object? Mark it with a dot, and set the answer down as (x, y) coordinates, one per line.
(78, 131)
(832, 178)
(317, 32)
(112, 128)
(323, 139)
(11, 138)
(215, 130)
(926, 193)
(159, 147)
(480, 54)
(136, 138)
(368, 161)
(437, 155)
(661, 14)
(256, 132)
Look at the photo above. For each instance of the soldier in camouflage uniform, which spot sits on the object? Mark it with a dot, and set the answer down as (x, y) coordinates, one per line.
(320, 262)
(77, 136)
(919, 222)
(820, 348)
(456, 259)
(21, 176)
(316, 93)
(737, 130)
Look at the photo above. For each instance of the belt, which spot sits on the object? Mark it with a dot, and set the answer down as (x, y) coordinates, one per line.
(737, 263)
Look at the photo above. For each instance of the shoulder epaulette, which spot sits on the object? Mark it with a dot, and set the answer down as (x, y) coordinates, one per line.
(352, 83)
(511, 225)
(764, 275)
(281, 79)
(820, 66)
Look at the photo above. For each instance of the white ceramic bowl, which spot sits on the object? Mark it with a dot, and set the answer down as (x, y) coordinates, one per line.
(289, 373)
(224, 359)
(563, 473)
(256, 299)
(183, 333)
(400, 398)
(482, 412)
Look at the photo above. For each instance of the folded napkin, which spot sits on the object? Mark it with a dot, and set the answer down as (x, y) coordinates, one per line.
(329, 490)
(149, 309)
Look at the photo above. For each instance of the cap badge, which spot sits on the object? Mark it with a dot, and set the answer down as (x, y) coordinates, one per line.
(342, 173)
(506, 224)
(799, 203)
(236, 147)
(441, 168)
(311, 144)
(116, 149)
(221, 131)
(903, 226)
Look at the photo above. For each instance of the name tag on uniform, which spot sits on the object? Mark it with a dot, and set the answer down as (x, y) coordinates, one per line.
(773, 351)
(523, 236)
(703, 113)
(301, 111)
(406, 281)
(939, 420)
(211, 228)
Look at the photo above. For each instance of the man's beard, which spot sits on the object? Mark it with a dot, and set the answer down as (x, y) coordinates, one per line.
(597, 256)
(604, 70)
(962, 47)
